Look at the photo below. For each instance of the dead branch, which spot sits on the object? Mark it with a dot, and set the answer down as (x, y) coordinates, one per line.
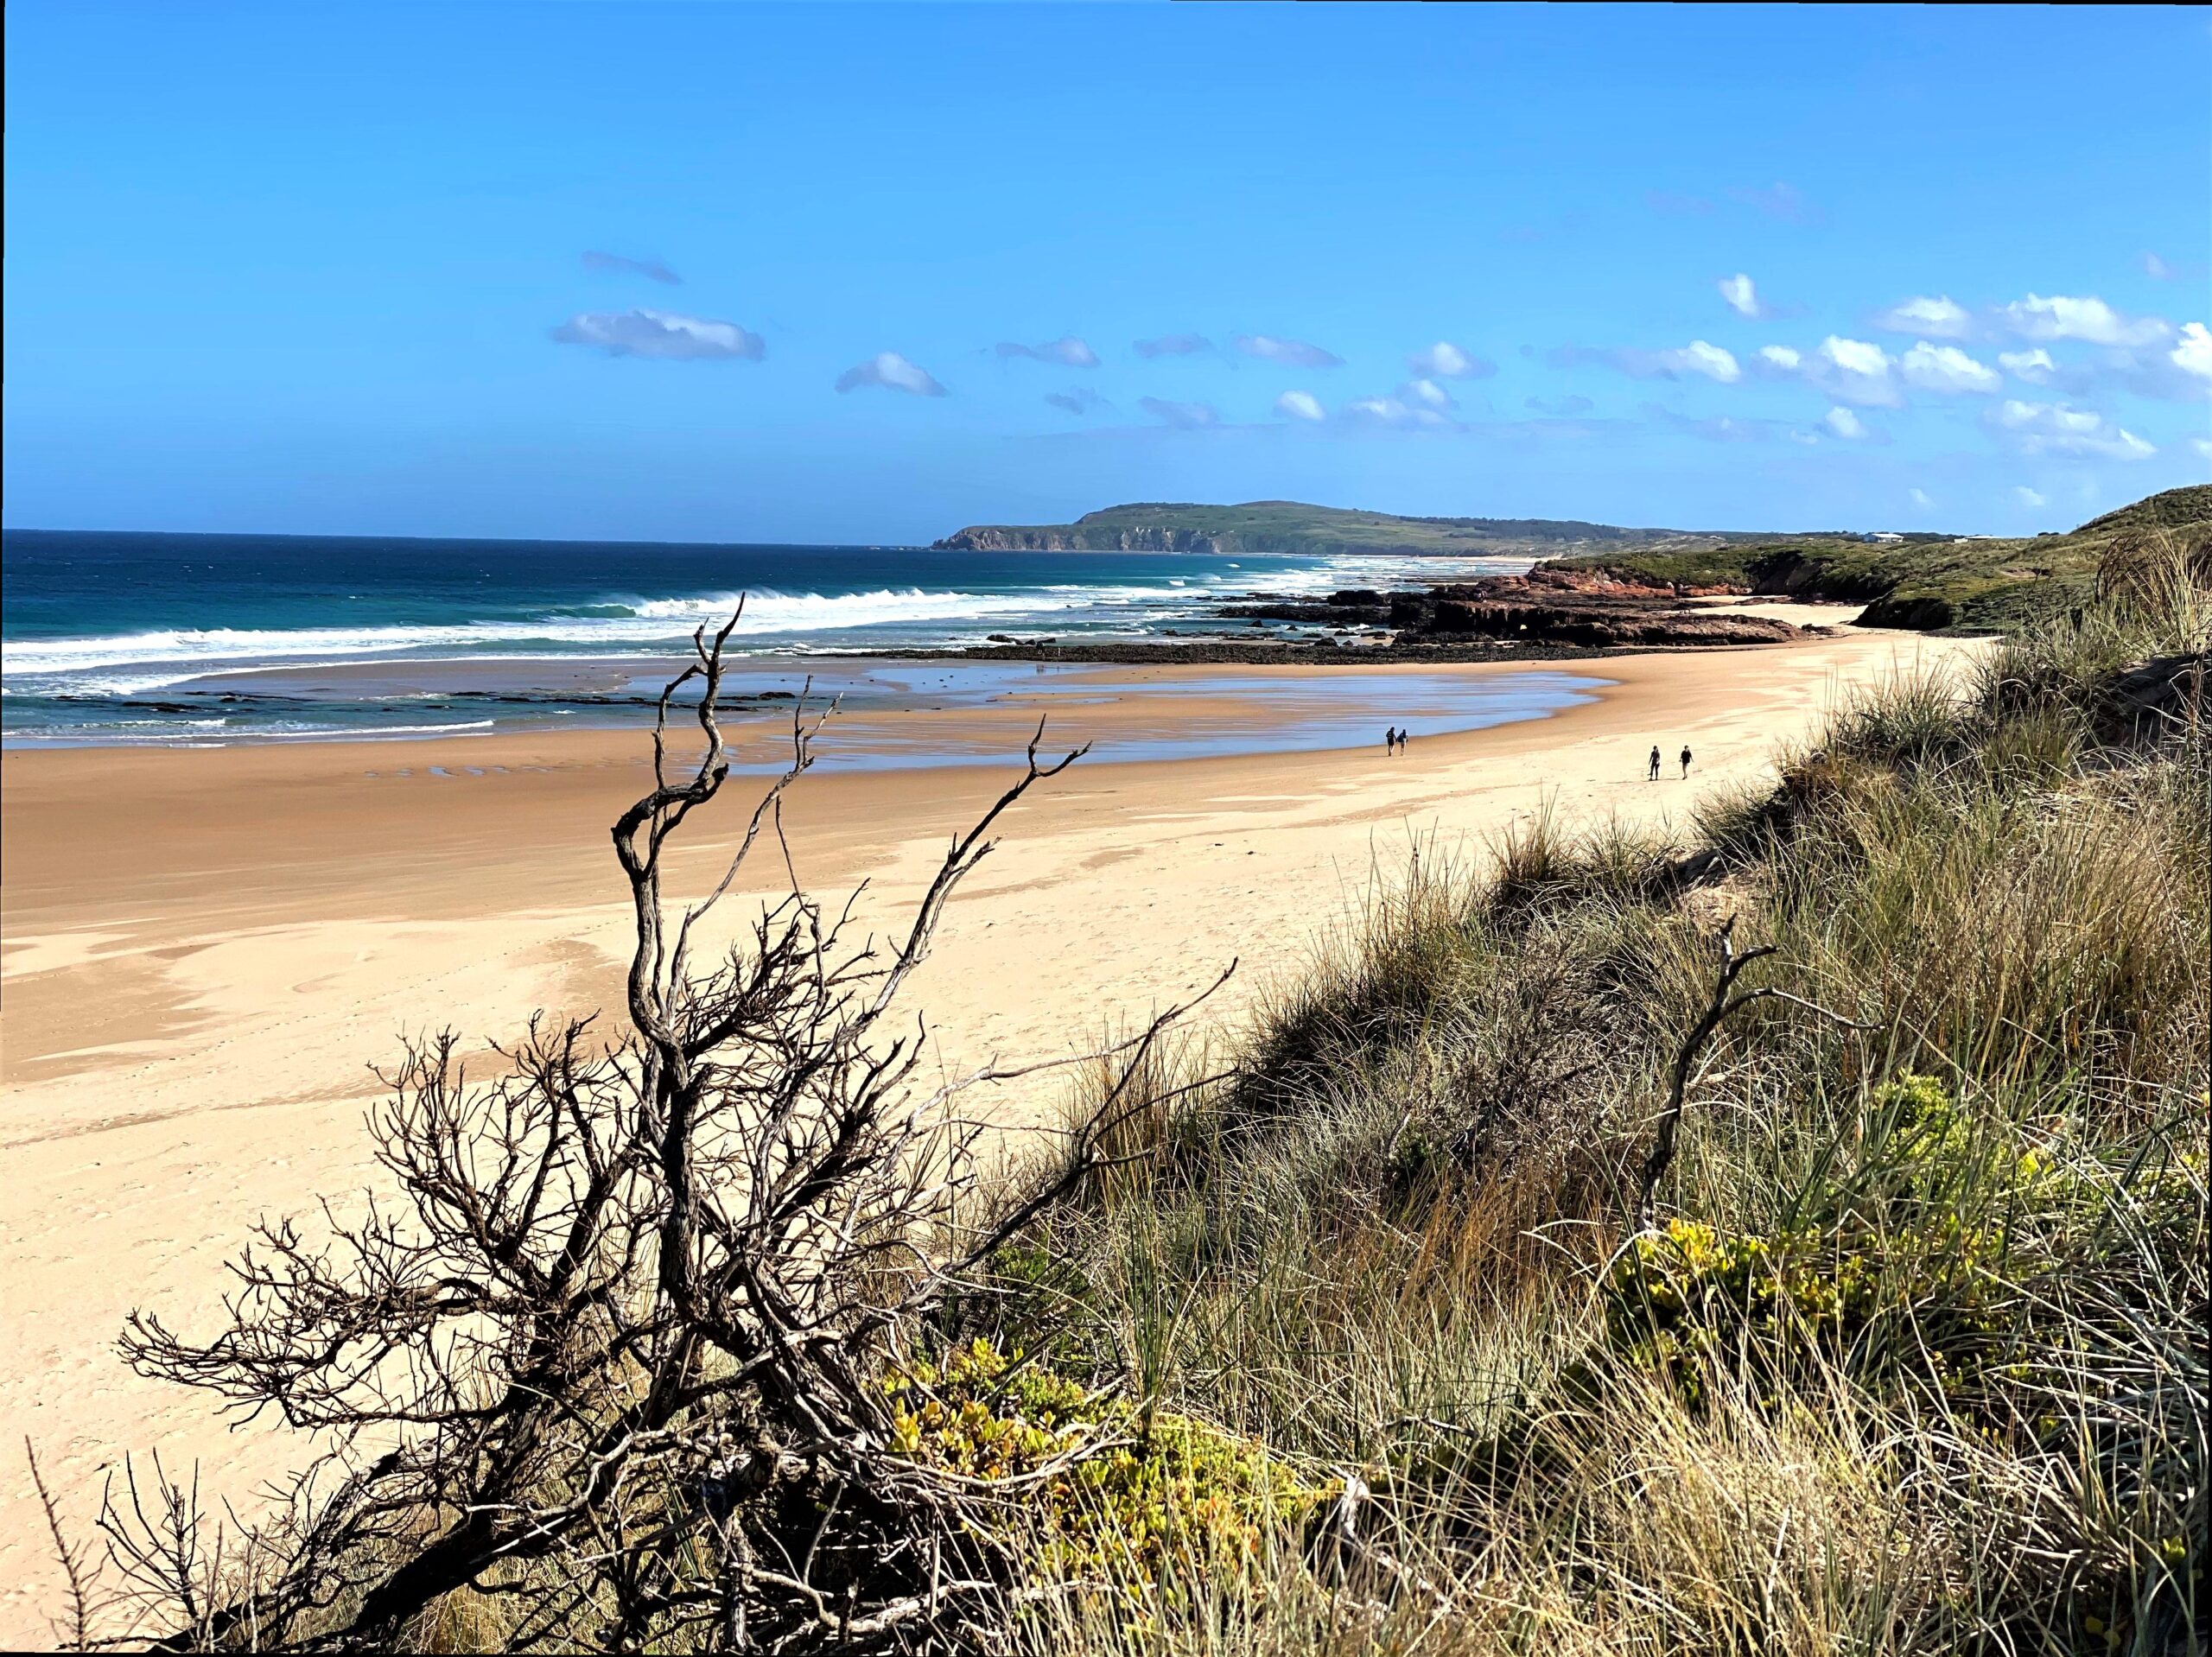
(82, 1575)
(611, 1371)
(1722, 1004)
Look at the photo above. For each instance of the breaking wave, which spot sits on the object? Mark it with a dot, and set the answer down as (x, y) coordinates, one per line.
(620, 624)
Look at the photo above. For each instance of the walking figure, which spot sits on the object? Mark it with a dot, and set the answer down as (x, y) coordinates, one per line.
(1655, 763)
(1686, 759)
(1404, 739)
(1390, 740)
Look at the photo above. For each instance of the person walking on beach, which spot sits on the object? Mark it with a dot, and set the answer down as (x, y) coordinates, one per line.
(1685, 760)
(1405, 739)
(1655, 763)
(1390, 741)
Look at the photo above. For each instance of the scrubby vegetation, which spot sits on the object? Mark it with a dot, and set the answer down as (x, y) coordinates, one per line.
(1914, 1359)
(1971, 583)
(1924, 581)
(1351, 1335)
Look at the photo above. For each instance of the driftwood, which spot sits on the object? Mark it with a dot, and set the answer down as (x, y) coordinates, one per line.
(614, 1363)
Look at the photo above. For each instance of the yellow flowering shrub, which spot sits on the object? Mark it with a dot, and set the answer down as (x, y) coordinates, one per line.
(1099, 1489)
(1691, 1292)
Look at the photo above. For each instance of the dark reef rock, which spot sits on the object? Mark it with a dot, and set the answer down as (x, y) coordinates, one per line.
(1591, 609)
(1612, 624)
(1923, 614)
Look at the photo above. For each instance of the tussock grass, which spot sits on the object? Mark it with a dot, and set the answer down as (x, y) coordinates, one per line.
(1917, 1363)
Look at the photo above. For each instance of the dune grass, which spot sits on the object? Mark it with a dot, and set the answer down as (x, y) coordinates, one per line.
(1916, 1361)
(1343, 1334)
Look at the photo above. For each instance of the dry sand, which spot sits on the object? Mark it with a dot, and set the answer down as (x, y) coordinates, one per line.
(204, 951)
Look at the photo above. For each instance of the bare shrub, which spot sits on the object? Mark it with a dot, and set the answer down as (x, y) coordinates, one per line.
(612, 1372)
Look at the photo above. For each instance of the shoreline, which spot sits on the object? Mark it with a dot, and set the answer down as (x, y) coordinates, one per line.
(611, 691)
(204, 948)
(874, 692)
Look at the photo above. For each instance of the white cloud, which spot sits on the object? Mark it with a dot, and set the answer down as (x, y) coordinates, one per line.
(893, 373)
(2063, 317)
(2016, 415)
(1940, 318)
(1946, 368)
(1300, 405)
(1445, 360)
(2034, 367)
(1185, 416)
(1391, 412)
(1920, 498)
(1844, 423)
(2028, 497)
(1296, 353)
(663, 334)
(1427, 393)
(1855, 371)
(2202, 446)
(2056, 428)
(1080, 400)
(1699, 358)
(1067, 350)
(1855, 356)
(1742, 296)
(2194, 355)
(1858, 372)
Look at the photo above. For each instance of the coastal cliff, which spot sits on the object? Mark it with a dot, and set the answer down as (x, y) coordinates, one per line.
(1007, 537)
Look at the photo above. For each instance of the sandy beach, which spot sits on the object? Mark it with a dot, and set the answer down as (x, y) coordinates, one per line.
(205, 950)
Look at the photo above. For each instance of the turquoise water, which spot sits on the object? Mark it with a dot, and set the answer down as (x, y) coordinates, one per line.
(199, 639)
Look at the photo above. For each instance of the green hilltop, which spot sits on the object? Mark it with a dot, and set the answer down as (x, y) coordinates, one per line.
(1977, 583)
(1921, 582)
(1293, 527)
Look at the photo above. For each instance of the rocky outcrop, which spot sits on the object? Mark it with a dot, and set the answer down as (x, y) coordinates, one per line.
(1578, 609)
(1923, 614)
(1602, 625)
(1353, 607)
(1604, 581)
(1598, 609)
(1789, 573)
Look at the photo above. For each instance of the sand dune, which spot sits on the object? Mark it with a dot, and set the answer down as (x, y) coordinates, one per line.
(205, 950)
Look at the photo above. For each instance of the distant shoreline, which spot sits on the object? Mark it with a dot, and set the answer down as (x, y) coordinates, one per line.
(1316, 653)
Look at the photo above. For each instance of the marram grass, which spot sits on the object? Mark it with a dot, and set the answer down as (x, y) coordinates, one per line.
(1916, 1362)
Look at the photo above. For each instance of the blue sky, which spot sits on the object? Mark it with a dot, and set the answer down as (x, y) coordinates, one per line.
(600, 270)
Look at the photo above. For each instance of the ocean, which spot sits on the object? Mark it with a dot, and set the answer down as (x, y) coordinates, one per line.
(214, 639)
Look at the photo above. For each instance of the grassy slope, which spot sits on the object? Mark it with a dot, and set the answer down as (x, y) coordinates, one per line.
(1977, 584)
(1930, 582)
(1915, 1363)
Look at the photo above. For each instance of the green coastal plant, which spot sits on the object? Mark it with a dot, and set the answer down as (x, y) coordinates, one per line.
(1101, 1490)
(1913, 1358)
(1354, 1337)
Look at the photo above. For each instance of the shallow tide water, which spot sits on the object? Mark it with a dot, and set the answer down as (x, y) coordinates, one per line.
(212, 640)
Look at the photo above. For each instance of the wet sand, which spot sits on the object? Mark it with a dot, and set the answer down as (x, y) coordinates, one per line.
(205, 949)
